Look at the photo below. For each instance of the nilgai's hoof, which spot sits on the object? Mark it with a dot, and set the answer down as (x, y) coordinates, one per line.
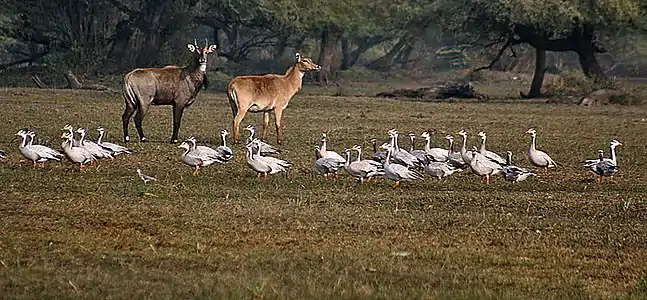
(144, 140)
(173, 141)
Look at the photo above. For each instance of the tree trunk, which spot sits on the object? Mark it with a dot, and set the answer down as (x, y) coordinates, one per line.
(590, 65)
(329, 55)
(538, 77)
(345, 54)
(385, 62)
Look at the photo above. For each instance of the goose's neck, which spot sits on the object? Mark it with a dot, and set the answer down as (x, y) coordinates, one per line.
(347, 159)
(23, 144)
(613, 155)
(101, 133)
(532, 143)
(395, 141)
(374, 147)
(359, 154)
(509, 159)
(223, 138)
(388, 156)
(483, 144)
(323, 146)
(427, 144)
(413, 144)
(450, 149)
(464, 147)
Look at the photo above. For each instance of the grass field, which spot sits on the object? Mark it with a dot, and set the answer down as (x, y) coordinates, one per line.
(226, 234)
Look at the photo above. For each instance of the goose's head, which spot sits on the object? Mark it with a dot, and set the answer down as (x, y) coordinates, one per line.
(324, 135)
(81, 131)
(615, 143)
(531, 131)
(425, 135)
(100, 129)
(385, 146)
(411, 135)
(21, 132)
(357, 148)
(481, 134)
(185, 145)
(509, 154)
(68, 127)
(250, 128)
(224, 132)
(347, 151)
(462, 133)
(449, 138)
(373, 141)
(139, 171)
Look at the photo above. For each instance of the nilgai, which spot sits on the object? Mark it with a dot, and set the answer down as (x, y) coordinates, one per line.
(266, 93)
(170, 85)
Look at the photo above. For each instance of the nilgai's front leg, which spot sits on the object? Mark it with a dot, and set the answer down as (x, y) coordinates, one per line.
(277, 120)
(237, 120)
(178, 110)
(128, 113)
(266, 122)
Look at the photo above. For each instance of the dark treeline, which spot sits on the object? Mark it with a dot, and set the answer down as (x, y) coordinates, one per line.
(112, 36)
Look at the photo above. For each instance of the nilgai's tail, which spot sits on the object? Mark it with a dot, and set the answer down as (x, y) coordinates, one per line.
(233, 99)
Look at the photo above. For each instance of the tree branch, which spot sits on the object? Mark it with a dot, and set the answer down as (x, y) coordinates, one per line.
(507, 44)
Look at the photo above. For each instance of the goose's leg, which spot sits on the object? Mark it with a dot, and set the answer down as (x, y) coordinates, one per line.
(265, 175)
(195, 173)
(487, 179)
(258, 175)
(397, 184)
(81, 168)
(33, 166)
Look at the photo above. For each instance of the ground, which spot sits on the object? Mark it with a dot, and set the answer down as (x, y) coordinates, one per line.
(227, 234)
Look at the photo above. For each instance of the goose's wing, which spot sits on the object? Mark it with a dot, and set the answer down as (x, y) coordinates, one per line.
(421, 155)
(405, 158)
(117, 149)
(379, 156)
(327, 165)
(438, 154)
(268, 149)
(225, 153)
(495, 158)
(404, 173)
(45, 152)
(605, 168)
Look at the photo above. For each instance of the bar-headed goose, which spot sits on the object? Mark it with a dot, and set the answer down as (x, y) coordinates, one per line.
(362, 169)
(196, 158)
(263, 165)
(484, 167)
(489, 154)
(401, 156)
(421, 155)
(537, 157)
(266, 149)
(329, 153)
(397, 172)
(378, 156)
(326, 165)
(465, 154)
(437, 154)
(606, 166)
(76, 154)
(454, 159)
(513, 173)
(440, 169)
(116, 149)
(38, 154)
(92, 147)
(223, 150)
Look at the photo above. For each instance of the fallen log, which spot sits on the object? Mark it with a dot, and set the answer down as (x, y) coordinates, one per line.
(443, 91)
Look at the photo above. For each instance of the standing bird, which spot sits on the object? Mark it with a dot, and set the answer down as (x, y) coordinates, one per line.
(266, 149)
(329, 153)
(606, 167)
(421, 155)
(195, 157)
(326, 165)
(223, 150)
(378, 156)
(92, 147)
(440, 169)
(489, 154)
(514, 173)
(38, 154)
(145, 178)
(466, 155)
(401, 156)
(76, 154)
(264, 165)
(362, 169)
(397, 172)
(454, 159)
(437, 154)
(537, 157)
(484, 167)
(116, 149)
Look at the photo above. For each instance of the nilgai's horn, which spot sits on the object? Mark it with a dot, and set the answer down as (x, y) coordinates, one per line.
(206, 43)
(195, 42)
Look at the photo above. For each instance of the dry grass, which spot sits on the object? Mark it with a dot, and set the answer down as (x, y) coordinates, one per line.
(226, 234)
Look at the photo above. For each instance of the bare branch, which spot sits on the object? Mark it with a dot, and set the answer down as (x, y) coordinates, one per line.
(497, 57)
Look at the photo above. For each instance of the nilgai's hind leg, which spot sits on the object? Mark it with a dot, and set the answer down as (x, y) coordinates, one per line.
(277, 120)
(128, 113)
(266, 122)
(178, 110)
(237, 120)
(139, 116)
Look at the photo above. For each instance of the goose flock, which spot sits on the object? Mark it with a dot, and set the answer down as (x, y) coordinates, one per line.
(388, 160)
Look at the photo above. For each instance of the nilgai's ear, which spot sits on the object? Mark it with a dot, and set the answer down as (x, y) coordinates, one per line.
(191, 47)
(298, 57)
(211, 48)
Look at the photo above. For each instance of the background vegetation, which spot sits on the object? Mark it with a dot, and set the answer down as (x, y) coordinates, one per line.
(98, 37)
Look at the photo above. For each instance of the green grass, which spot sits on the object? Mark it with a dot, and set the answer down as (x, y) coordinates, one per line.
(227, 234)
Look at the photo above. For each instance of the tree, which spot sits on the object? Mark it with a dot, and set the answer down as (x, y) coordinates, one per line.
(546, 25)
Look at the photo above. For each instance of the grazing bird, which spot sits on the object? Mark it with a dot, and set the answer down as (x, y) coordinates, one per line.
(489, 154)
(514, 173)
(116, 149)
(76, 154)
(606, 167)
(537, 157)
(145, 178)
(170, 85)
(397, 172)
(92, 147)
(362, 169)
(267, 93)
(266, 149)
(38, 154)
(197, 158)
(264, 165)
(437, 154)
(326, 165)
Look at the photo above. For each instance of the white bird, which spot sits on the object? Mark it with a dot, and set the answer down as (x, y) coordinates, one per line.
(397, 172)
(223, 150)
(362, 169)
(514, 173)
(484, 167)
(438, 154)
(92, 147)
(466, 155)
(263, 165)
(70, 132)
(215, 156)
(38, 154)
(421, 155)
(401, 156)
(590, 162)
(145, 178)
(606, 166)
(116, 149)
(489, 154)
(326, 165)
(454, 159)
(440, 169)
(196, 158)
(76, 154)
(266, 149)
(537, 157)
(329, 153)
(377, 156)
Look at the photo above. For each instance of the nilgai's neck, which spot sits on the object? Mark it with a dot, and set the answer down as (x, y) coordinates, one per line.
(295, 77)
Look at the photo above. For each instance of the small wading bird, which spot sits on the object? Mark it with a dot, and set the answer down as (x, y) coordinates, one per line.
(38, 154)
(145, 178)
